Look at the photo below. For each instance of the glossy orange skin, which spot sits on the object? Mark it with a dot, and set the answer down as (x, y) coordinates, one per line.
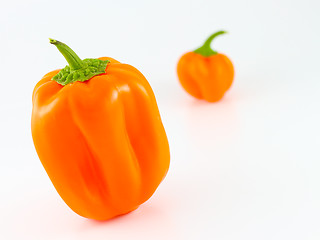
(101, 141)
(205, 78)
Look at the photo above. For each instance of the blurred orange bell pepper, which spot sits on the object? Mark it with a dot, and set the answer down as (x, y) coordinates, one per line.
(98, 133)
(204, 73)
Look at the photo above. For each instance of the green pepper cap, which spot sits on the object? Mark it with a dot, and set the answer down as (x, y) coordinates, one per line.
(77, 70)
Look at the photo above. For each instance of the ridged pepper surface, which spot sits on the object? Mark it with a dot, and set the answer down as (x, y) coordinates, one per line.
(98, 133)
(204, 73)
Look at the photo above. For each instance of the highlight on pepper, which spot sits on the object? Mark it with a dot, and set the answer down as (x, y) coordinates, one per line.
(205, 73)
(98, 133)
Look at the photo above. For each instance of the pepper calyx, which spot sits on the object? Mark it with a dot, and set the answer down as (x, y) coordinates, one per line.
(91, 67)
(77, 70)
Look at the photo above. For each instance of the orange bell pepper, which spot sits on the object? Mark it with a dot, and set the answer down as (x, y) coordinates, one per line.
(204, 73)
(98, 133)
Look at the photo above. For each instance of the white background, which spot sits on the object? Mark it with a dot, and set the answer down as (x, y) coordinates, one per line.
(244, 168)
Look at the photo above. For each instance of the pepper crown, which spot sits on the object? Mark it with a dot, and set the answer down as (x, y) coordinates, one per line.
(77, 70)
(205, 50)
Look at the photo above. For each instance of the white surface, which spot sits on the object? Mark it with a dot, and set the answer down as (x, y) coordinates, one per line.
(244, 168)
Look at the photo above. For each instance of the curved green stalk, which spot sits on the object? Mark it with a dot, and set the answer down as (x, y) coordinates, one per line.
(205, 50)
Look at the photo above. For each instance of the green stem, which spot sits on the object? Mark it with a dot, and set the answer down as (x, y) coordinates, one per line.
(72, 58)
(78, 70)
(205, 49)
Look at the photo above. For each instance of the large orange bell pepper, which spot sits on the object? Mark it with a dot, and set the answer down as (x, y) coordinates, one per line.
(98, 133)
(204, 73)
